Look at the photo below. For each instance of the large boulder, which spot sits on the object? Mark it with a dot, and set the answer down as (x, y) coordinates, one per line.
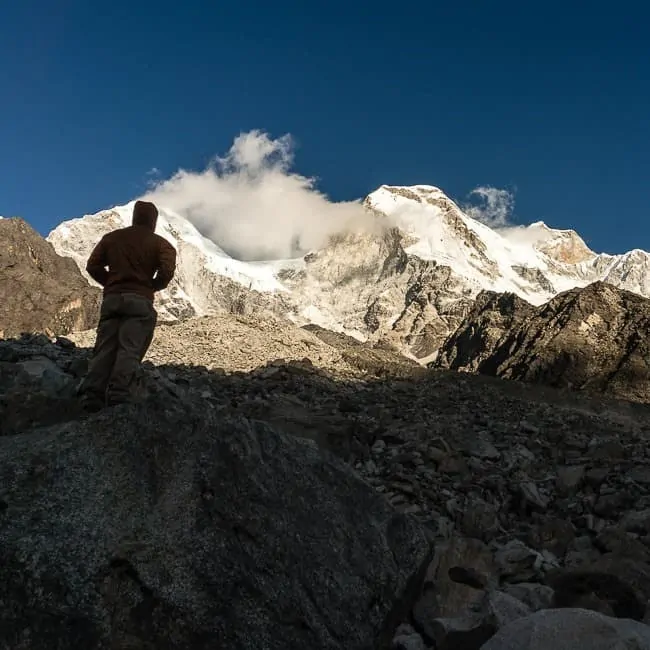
(160, 526)
(569, 629)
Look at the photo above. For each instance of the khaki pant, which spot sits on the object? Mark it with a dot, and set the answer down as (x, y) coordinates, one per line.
(124, 334)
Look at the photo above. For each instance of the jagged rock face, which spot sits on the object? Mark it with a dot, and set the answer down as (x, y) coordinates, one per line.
(381, 293)
(585, 339)
(40, 290)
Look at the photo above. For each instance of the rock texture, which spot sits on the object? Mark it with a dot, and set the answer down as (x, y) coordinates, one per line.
(593, 339)
(172, 525)
(570, 629)
(40, 290)
(230, 342)
(534, 498)
(366, 284)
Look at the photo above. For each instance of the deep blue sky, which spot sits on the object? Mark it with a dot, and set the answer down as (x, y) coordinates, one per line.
(542, 97)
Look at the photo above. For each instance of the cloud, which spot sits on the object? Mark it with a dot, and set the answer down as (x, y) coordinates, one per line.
(494, 207)
(254, 206)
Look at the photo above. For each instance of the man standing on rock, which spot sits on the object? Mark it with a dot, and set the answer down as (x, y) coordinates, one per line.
(131, 264)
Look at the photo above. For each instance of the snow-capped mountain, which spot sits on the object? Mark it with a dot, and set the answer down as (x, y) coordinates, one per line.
(207, 278)
(408, 283)
(535, 262)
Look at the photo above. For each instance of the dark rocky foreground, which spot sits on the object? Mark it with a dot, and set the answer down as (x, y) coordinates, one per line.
(39, 290)
(593, 339)
(290, 508)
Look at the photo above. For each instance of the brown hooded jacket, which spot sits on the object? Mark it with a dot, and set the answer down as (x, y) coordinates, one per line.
(138, 260)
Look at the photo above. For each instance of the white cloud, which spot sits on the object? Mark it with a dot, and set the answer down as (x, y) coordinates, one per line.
(494, 207)
(254, 206)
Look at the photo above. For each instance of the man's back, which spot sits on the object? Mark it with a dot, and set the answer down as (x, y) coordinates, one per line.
(138, 260)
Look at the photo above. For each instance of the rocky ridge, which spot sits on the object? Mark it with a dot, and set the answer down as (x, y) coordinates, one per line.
(592, 339)
(40, 290)
(533, 498)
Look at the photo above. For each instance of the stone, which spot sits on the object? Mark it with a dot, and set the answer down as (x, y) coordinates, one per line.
(49, 377)
(606, 449)
(472, 629)
(142, 525)
(569, 629)
(637, 521)
(530, 495)
(596, 475)
(536, 596)
(480, 520)
(406, 638)
(610, 505)
(594, 587)
(378, 447)
(616, 540)
(480, 447)
(640, 474)
(554, 534)
(516, 562)
(441, 596)
(461, 632)
(569, 478)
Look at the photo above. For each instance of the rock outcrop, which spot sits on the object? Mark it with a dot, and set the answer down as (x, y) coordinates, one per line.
(39, 290)
(593, 339)
(534, 499)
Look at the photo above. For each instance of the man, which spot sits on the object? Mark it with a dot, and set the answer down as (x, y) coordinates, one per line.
(131, 264)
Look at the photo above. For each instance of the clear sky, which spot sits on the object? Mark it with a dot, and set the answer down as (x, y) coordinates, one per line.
(550, 100)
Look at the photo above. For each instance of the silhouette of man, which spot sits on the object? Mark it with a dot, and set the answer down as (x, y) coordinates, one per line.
(131, 264)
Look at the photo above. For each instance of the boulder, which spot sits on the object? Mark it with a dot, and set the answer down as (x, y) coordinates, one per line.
(163, 526)
(569, 629)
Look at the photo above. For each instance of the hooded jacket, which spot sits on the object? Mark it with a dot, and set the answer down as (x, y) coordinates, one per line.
(134, 259)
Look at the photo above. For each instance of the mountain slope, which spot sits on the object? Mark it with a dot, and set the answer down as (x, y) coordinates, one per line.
(207, 279)
(40, 290)
(591, 339)
(406, 284)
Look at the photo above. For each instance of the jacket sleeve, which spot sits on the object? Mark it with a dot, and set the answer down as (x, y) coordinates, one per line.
(166, 266)
(97, 263)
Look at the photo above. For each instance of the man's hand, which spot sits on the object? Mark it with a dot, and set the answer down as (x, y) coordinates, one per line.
(166, 266)
(97, 263)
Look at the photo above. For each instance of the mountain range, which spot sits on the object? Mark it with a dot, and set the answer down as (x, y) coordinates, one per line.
(407, 283)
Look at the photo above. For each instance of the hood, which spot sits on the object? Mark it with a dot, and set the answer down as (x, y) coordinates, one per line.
(145, 214)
